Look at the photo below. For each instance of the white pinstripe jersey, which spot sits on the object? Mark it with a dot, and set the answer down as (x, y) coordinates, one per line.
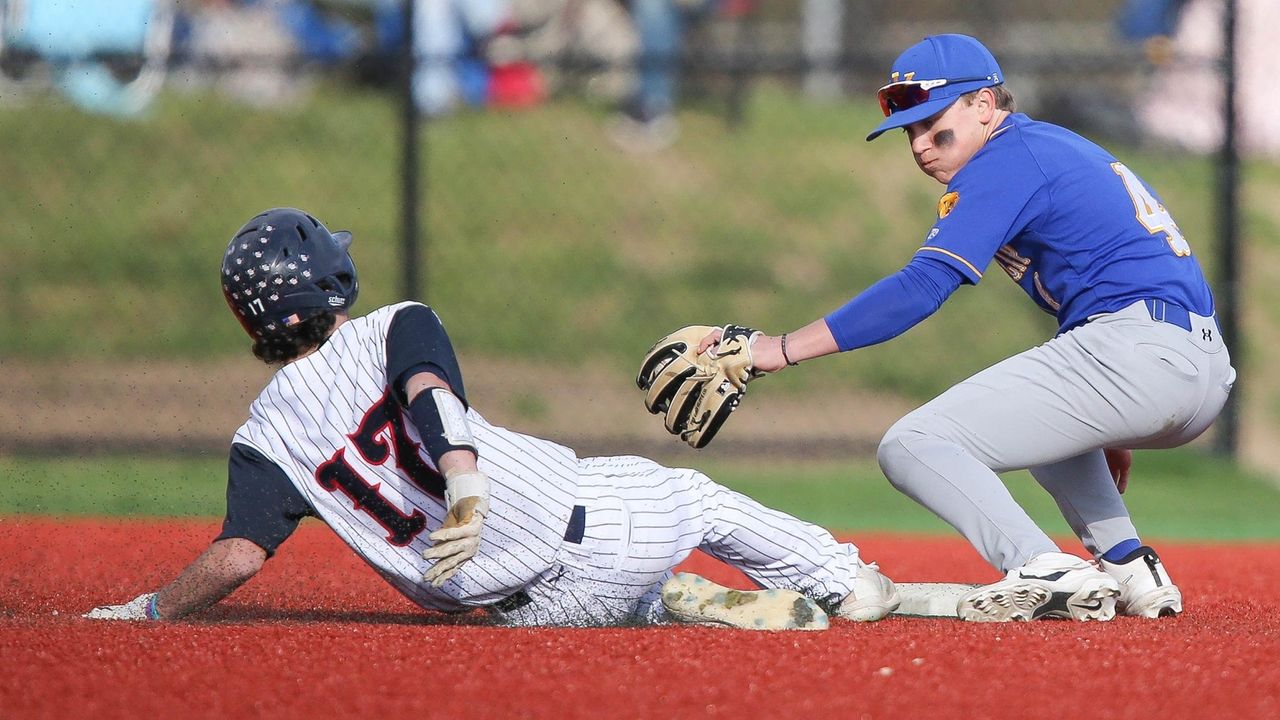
(332, 424)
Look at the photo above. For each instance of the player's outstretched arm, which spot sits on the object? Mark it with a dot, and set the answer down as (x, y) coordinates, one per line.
(441, 421)
(219, 570)
(811, 341)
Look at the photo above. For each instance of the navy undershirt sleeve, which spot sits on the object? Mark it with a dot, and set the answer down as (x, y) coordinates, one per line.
(416, 341)
(262, 505)
(895, 304)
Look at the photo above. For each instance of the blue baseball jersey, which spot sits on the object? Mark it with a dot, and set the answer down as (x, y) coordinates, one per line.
(1077, 230)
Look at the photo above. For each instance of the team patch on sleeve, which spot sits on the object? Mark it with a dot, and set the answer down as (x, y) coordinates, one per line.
(947, 203)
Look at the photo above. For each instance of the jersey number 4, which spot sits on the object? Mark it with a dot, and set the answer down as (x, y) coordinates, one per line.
(1150, 212)
(382, 437)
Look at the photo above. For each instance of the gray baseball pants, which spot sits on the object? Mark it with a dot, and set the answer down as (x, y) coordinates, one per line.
(1122, 380)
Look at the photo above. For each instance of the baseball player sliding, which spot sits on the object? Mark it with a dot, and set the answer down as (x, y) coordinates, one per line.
(1138, 360)
(366, 425)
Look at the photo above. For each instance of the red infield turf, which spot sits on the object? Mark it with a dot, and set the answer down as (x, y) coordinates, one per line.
(317, 634)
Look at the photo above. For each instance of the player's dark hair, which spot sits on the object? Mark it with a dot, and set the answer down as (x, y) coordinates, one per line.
(1004, 98)
(292, 342)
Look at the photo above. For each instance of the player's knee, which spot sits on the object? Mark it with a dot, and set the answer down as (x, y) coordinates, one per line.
(895, 458)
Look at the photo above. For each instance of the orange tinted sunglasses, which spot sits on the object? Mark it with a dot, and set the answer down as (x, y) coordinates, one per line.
(907, 94)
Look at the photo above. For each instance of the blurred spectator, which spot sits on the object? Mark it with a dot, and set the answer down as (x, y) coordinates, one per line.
(592, 42)
(253, 49)
(509, 53)
(1144, 20)
(447, 34)
(647, 121)
(1088, 104)
(244, 50)
(1185, 98)
(321, 37)
(106, 57)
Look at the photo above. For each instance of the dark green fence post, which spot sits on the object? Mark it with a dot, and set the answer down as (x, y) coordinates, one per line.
(1227, 440)
(412, 289)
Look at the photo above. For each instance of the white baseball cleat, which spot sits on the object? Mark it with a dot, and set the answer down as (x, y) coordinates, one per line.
(874, 596)
(694, 599)
(1052, 585)
(1145, 587)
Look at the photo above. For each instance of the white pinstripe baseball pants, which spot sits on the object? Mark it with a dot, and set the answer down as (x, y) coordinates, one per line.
(643, 519)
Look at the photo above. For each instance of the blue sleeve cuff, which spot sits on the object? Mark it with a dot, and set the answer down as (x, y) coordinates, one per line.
(895, 304)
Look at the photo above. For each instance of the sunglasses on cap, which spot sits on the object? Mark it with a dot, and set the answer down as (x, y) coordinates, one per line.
(907, 94)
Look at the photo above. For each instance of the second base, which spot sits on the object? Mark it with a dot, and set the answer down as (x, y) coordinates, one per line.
(930, 599)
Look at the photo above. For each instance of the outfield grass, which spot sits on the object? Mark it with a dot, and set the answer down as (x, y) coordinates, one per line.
(1174, 494)
(544, 242)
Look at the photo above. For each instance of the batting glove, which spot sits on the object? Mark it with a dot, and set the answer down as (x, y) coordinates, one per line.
(142, 607)
(457, 541)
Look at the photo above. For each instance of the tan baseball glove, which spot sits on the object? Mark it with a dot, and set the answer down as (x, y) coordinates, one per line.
(697, 393)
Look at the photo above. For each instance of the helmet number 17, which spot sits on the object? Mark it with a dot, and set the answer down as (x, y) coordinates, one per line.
(1150, 212)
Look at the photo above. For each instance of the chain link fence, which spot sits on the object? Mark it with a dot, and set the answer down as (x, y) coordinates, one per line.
(584, 175)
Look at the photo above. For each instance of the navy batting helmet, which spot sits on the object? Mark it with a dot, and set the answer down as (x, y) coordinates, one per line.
(284, 267)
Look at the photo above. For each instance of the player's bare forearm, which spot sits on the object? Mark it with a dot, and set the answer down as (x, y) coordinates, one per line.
(811, 341)
(219, 570)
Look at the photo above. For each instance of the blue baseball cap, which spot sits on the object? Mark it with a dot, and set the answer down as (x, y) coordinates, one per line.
(935, 72)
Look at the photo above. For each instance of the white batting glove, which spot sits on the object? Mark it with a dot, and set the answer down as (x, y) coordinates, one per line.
(139, 608)
(457, 541)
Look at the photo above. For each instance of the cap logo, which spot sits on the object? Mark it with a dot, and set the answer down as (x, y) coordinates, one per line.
(907, 78)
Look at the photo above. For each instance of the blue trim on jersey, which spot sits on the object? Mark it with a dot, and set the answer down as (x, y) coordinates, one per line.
(895, 304)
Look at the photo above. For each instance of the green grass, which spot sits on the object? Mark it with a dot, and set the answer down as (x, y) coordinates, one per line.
(1174, 494)
(114, 486)
(542, 240)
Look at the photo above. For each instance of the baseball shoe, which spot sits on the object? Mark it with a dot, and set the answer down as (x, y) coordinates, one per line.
(873, 596)
(694, 599)
(1054, 585)
(1145, 587)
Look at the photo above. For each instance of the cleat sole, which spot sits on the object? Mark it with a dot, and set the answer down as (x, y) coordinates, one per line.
(695, 600)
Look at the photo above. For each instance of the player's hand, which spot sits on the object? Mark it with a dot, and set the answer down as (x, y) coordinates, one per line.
(135, 609)
(711, 340)
(696, 376)
(766, 350)
(1119, 461)
(457, 541)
